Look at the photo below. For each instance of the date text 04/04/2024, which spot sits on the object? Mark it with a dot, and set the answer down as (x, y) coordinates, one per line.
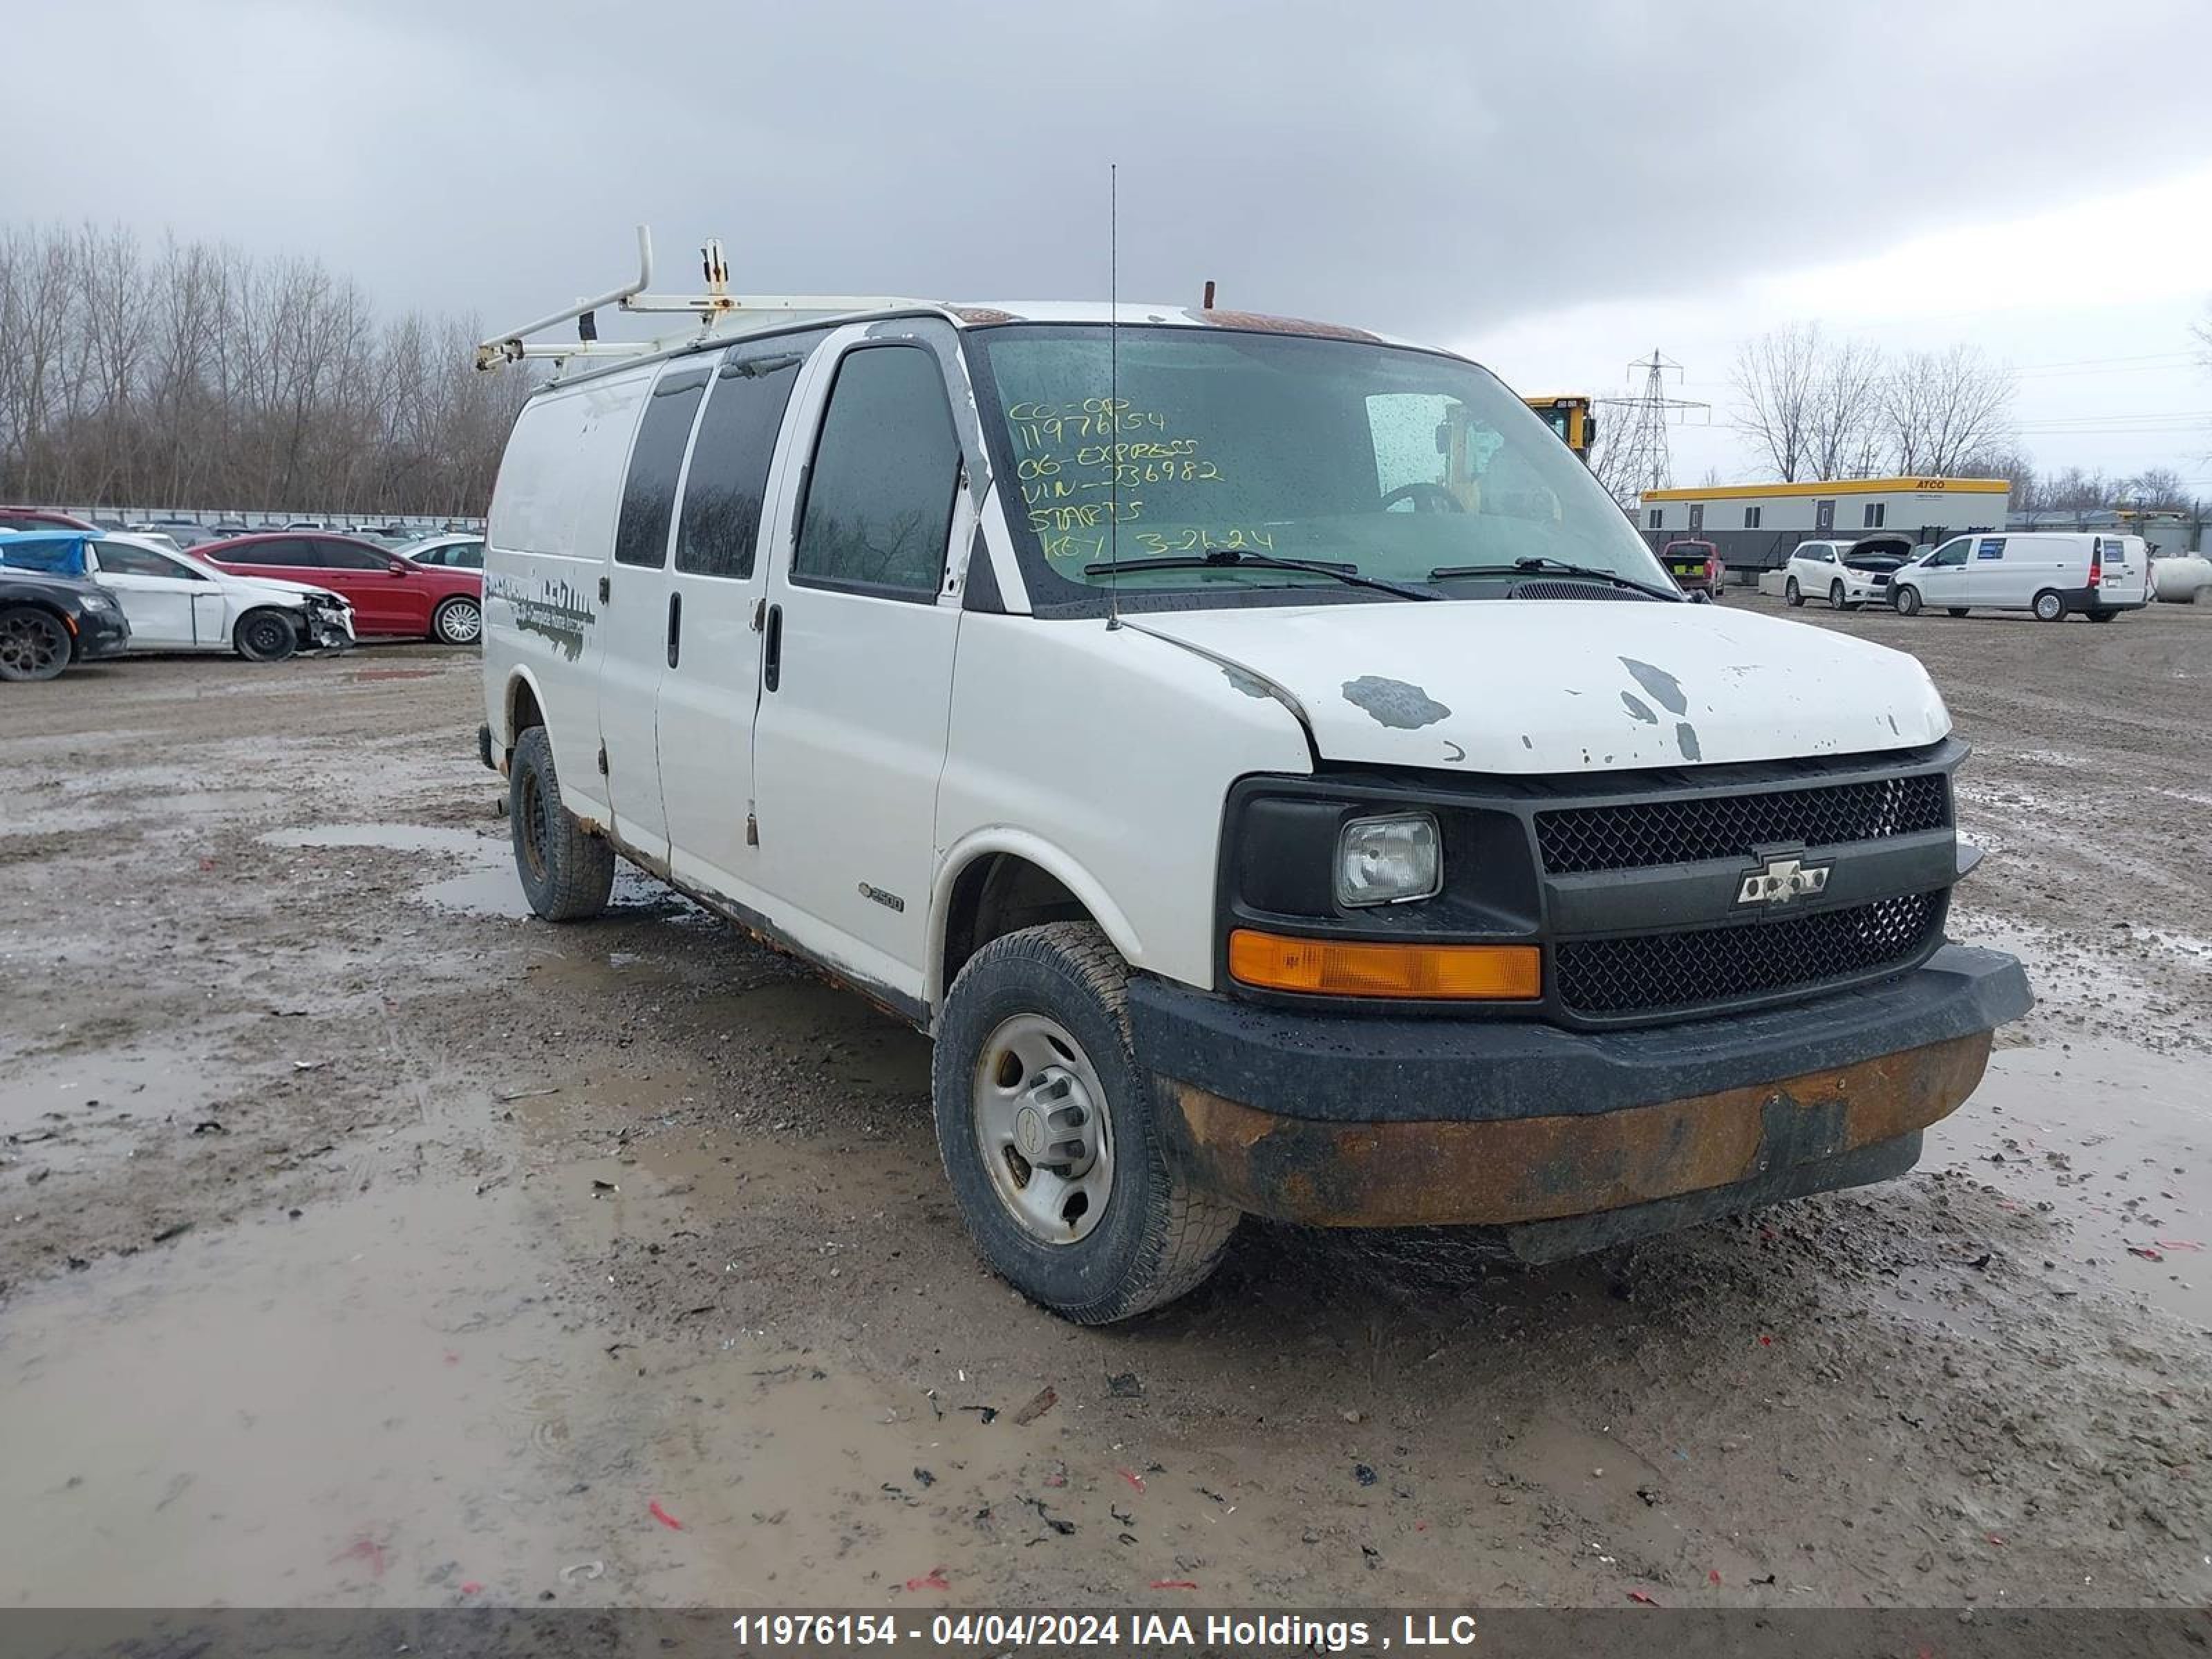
(999, 1629)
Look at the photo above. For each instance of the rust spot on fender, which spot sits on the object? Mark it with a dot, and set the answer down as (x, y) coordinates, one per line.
(1260, 322)
(1508, 1170)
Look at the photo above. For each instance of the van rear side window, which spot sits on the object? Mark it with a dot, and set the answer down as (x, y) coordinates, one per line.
(879, 503)
(649, 496)
(724, 490)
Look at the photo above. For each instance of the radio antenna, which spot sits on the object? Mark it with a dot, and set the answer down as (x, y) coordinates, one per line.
(1113, 396)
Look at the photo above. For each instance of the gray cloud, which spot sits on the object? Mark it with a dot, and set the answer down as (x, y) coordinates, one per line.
(1430, 169)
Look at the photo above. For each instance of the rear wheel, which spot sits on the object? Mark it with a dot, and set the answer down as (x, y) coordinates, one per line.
(1791, 592)
(1905, 600)
(33, 646)
(1955, 611)
(566, 873)
(457, 622)
(264, 636)
(2050, 606)
(1048, 1129)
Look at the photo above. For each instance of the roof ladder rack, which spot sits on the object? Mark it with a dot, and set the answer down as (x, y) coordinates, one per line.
(711, 306)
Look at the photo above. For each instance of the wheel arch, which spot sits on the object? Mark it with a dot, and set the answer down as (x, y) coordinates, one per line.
(998, 880)
(522, 705)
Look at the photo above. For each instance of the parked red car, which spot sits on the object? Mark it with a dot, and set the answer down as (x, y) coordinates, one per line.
(39, 518)
(1695, 566)
(390, 595)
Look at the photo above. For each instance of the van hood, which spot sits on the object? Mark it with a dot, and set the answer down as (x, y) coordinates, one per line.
(1539, 686)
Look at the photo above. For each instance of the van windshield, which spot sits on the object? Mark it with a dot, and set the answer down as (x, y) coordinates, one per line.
(1395, 463)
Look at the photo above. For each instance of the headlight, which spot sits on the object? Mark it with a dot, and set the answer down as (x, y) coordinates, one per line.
(1388, 860)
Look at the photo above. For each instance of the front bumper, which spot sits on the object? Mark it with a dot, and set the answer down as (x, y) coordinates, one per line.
(99, 634)
(1342, 1120)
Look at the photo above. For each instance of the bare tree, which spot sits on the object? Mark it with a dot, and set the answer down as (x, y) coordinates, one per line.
(2155, 487)
(1777, 378)
(1846, 407)
(195, 376)
(1940, 407)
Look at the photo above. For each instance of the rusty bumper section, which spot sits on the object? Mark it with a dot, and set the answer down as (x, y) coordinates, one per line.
(1508, 1170)
(1341, 1120)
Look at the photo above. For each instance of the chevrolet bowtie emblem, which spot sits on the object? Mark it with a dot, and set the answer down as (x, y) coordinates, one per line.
(1780, 880)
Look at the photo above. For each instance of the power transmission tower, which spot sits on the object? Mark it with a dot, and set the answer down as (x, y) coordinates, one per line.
(1638, 460)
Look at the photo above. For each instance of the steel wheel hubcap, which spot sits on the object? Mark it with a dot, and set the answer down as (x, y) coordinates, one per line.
(532, 817)
(1043, 1130)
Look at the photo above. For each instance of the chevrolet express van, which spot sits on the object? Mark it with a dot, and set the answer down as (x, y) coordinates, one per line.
(2053, 574)
(1257, 753)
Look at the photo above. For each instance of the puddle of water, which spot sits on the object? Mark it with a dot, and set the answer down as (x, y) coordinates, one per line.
(387, 1399)
(2118, 1143)
(392, 837)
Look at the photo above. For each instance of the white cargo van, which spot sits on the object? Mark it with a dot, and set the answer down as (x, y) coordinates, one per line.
(2054, 573)
(1275, 774)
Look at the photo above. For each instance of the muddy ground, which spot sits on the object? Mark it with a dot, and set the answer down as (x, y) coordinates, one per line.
(364, 1242)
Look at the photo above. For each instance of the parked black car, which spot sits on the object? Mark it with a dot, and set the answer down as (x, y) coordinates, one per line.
(47, 623)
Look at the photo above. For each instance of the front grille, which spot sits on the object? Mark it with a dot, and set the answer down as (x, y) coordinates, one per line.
(1685, 829)
(1652, 972)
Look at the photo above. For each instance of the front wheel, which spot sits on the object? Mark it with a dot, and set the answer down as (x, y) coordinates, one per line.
(566, 874)
(1955, 610)
(457, 622)
(1047, 1127)
(264, 636)
(1792, 593)
(2049, 607)
(2102, 615)
(33, 646)
(1835, 596)
(1906, 601)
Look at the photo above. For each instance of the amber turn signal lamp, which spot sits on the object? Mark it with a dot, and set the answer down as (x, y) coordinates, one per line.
(1493, 973)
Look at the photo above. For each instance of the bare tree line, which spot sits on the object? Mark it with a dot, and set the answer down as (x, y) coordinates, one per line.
(1816, 408)
(194, 374)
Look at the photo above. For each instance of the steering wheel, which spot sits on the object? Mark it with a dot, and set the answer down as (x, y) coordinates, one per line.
(1439, 499)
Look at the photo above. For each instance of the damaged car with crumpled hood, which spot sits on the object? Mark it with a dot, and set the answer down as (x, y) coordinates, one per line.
(178, 603)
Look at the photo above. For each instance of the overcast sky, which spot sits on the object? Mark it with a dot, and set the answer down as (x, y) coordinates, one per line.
(1558, 188)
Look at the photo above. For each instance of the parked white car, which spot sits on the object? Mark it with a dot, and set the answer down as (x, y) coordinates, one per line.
(453, 552)
(176, 603)
(2053, 574)
(1846, 574)
(1260, 754)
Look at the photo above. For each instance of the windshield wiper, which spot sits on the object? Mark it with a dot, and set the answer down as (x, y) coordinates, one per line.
(1444, 573)
(1235, 558)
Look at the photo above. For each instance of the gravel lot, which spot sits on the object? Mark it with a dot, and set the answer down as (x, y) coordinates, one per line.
(365, 1241)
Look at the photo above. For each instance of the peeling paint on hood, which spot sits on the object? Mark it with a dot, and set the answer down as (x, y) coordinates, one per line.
(1531, 686)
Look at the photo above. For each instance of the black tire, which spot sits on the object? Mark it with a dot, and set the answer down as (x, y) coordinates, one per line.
(1791, 594)
(264, 636)
(1955, 611)
(34, 645)
(1835, 596)
(458, 621)
(2050, 606)
(566, 873)
(2102, 615)
(1904, 600)
(1155, 1238)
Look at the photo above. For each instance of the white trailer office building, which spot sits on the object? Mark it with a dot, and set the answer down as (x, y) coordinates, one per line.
(1755, 526)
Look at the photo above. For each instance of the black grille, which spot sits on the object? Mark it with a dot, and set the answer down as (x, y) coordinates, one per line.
(1654, 972)
(1688, 827)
